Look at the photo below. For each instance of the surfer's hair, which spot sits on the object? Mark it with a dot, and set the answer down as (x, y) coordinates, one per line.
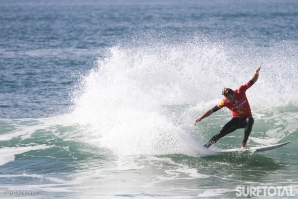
(227, 91)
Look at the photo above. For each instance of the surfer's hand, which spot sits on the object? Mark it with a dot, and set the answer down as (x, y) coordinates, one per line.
(197, 120)
(209, 112)
(258, 69)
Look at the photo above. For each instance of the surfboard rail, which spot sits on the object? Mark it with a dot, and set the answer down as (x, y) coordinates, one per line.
(253, 149)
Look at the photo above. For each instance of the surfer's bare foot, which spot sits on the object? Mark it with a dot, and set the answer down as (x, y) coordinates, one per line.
(244, 145)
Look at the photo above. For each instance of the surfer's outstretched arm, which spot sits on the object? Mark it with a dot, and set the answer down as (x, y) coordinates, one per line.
(206, 114)
(256, 75)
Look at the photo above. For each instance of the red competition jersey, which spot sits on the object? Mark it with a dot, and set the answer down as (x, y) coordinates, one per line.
(240, 108)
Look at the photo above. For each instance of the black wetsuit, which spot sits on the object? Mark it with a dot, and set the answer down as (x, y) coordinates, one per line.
(232, 125)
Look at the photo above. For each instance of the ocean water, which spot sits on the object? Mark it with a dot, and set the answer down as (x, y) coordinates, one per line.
(98, 98)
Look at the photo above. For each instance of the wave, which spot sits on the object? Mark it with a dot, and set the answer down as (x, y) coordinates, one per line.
(142, 97)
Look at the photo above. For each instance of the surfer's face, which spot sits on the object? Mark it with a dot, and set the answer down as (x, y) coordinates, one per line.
(230, 98)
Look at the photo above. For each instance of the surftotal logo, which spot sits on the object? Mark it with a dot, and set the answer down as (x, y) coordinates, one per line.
(249, 191)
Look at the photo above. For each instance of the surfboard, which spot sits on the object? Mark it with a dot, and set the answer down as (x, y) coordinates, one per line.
(253, 149)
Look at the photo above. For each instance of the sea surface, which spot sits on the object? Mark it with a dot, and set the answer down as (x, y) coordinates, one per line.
(98, 98)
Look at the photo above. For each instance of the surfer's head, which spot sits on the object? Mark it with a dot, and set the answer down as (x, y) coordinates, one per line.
(229, 94)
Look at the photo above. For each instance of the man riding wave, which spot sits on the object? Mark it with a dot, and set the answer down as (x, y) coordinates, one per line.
(237, 102)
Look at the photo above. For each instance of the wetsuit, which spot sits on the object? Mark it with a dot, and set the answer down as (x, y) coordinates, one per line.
(241, 112)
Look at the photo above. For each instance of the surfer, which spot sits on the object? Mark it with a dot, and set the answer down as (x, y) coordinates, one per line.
(237, 102)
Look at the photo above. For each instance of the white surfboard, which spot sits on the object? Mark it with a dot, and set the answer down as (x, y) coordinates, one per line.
(253, 149)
